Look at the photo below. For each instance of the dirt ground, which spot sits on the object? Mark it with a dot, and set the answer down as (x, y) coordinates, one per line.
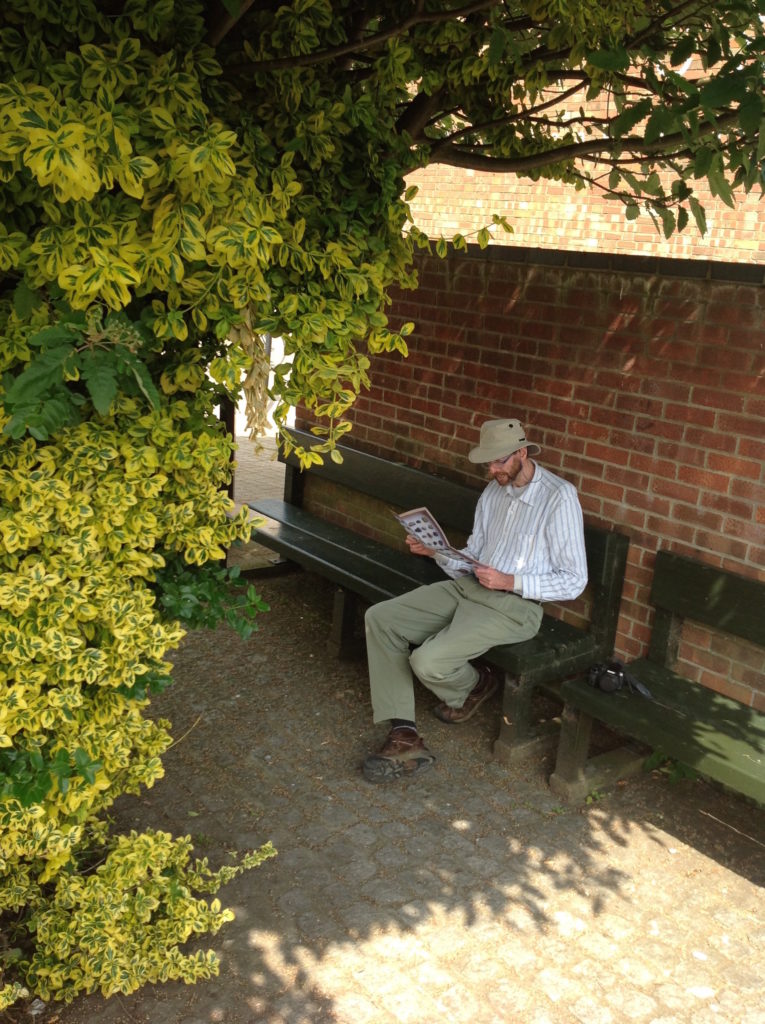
(468, 895)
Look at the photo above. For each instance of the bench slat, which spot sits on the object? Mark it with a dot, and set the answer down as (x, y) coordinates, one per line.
(558, 649)
(370, 569)
(396, 484)
(731, 603)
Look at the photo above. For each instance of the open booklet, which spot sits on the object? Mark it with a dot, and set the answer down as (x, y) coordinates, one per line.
(421, 524)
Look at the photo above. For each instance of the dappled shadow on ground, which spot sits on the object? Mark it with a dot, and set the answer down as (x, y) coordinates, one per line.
(470, 894)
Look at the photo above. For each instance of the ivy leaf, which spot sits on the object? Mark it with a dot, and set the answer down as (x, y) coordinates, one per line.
(628, 118)
(61, 769)
(609, 60)
(721, 92)
(751, 113)
(683, 50)
(496, 47)
(699, 214)
(661, 122)
(719, 185)
(140, 373)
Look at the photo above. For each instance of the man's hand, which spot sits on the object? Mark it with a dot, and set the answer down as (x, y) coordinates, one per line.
(417, 547)
(493, 579)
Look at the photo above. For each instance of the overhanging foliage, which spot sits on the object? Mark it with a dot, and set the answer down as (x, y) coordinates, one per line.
(189, 161)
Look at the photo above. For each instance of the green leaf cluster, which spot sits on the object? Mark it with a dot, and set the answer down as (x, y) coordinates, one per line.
(103, 520)
(123, 924)
(208, 597)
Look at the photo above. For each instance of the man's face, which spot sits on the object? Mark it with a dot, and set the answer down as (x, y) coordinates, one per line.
(505, 471)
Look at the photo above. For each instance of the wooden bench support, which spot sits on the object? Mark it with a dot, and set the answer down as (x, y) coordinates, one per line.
(575, 776)
(520, 735)
(342, 642)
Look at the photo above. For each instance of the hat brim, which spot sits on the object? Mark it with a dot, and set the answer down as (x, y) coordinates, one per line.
(490, 454)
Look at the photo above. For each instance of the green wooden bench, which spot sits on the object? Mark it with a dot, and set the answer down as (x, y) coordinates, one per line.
(716, 736)
(374, 571)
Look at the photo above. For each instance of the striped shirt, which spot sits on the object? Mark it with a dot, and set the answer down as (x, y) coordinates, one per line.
(535, 533)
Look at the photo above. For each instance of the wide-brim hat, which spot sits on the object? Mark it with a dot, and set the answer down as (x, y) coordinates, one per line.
(500, 439)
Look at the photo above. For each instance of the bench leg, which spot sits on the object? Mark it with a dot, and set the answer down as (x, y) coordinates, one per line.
(575, 776)
(569, 779)
(342, 641)
(519, 738)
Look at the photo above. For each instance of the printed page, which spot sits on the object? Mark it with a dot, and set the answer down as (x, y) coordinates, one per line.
(421, 524)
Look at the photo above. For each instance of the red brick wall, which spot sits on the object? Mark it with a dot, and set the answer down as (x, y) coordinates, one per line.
(551, 215)
(643, 380)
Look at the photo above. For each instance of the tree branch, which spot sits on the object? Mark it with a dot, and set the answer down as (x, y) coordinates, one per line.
(224, 22)
(309, 59)
(524, 115)
(510, 165)
(417, 114)
(575, 150)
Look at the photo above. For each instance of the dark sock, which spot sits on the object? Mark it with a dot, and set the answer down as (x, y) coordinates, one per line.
(402, 723)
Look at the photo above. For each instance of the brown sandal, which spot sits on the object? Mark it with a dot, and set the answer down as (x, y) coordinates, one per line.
(485, 688)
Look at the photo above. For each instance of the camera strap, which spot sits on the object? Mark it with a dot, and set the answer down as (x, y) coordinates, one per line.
(634, 684)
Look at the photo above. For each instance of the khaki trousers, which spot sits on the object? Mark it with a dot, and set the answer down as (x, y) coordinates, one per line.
(449, 623)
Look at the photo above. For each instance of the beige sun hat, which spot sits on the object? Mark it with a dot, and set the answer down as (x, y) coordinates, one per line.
(499, 439)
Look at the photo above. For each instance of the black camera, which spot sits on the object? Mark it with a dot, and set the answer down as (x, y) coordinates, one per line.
(608, 677)
(611, 676)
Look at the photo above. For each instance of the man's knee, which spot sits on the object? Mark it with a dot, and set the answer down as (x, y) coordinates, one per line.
(424, 665)
(378, 616)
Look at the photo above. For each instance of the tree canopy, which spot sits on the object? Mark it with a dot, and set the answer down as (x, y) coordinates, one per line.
(203, 165)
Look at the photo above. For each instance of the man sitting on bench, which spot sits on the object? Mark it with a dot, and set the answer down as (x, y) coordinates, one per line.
(528, 539)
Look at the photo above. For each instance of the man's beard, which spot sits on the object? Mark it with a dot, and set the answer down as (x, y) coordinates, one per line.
(505, 477)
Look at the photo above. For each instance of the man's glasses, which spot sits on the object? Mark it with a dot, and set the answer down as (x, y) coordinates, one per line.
(502, 462)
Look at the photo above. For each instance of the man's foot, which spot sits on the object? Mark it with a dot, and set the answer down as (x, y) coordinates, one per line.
(403, 755)
(486, 687)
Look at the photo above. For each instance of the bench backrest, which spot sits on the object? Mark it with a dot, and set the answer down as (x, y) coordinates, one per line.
(683, 588)
(606, 568)
(402, 486)
(453, 505)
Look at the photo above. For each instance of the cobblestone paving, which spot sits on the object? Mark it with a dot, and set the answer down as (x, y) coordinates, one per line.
(468, 895)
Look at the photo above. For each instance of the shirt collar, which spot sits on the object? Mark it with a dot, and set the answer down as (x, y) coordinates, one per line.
(528, 493)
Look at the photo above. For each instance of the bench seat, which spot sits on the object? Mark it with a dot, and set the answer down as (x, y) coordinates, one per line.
(376, 572)
(373, 570)
(702, 729)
